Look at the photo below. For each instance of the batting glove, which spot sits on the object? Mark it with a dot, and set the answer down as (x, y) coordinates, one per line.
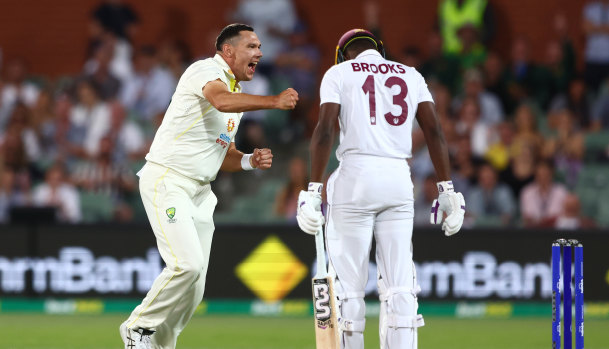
(450, 203)
(309, 216)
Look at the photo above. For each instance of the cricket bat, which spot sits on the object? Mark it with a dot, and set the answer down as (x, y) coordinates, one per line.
(324, 307)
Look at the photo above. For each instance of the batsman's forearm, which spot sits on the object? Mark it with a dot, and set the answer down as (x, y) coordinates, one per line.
(320, 148)
(438, 151)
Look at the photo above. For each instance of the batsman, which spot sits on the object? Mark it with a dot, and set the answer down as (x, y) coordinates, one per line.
(374, 101)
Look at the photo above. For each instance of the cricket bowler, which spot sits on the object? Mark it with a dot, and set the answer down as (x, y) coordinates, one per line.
(194, 142)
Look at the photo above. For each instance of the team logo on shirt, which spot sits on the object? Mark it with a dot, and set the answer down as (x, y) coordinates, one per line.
(230, 126)
(223, 140)
(171, 212)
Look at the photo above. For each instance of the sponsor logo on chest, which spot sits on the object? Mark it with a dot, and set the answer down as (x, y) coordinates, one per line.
(224, 139)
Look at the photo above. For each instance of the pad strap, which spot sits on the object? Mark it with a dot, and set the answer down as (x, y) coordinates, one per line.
(352, 325)
(403, 321)
(392, 291)
(350, 295)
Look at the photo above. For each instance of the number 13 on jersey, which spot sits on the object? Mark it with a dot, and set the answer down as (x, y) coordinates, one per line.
(399, 99)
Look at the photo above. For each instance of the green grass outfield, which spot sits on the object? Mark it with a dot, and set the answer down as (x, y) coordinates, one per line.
(228, 332)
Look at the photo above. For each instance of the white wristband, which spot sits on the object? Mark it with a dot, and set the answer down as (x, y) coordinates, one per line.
(246, 165)
(445, 187)
(315, 187)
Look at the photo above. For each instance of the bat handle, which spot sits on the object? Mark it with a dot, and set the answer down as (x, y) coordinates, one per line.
(321, 254)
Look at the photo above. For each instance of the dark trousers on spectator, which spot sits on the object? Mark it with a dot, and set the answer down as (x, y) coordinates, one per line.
(595, 74)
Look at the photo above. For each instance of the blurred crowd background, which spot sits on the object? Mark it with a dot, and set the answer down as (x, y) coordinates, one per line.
(528, 138)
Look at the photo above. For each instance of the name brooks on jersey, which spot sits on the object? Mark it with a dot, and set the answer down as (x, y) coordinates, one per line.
(378, 69)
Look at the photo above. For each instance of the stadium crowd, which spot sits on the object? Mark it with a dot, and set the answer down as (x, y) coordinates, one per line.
(528, 139)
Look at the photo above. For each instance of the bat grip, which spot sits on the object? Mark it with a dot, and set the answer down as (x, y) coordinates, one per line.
(321, 254)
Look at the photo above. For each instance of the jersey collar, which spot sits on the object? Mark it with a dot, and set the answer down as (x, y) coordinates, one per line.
(234, 85)
(368, 52)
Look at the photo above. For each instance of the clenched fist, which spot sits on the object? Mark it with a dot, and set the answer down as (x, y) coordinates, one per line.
(287, 99)
(262, 158)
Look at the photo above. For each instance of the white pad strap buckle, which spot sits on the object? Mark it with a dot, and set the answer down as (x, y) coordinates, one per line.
(402, 321)
(392, 291)
(350, 295)
(352, 325)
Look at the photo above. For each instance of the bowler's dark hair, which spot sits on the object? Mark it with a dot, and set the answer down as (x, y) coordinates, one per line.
(229, 32)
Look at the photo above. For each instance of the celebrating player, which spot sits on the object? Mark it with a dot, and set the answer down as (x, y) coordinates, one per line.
(194, 141)
(375, 101)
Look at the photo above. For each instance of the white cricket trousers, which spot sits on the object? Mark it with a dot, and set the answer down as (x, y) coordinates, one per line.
(373, 196)
(180, 211)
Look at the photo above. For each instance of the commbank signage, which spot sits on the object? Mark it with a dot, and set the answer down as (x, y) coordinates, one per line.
(273, 262)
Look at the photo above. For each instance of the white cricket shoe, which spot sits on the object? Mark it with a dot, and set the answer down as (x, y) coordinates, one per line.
(139, 339)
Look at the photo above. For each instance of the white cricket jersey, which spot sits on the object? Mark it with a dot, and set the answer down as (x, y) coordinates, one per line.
(378, 102)
(194, 136)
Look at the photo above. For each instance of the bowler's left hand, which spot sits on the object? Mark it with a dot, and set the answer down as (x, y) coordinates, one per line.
(262, 158)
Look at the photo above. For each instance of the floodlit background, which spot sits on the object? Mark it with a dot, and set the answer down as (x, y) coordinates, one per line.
(521, 89)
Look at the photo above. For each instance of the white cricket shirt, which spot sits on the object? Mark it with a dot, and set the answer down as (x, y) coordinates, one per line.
(378, 102)
(194, 136)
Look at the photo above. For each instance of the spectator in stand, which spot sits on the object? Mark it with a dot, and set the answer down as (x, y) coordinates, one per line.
(420, 164)
(596, 55)
(600, 109)
(559, 66)
(410, 56)
(56, 192)
(15, 190)
(499, 154)
(472, 53)
(298, 63)
(99, 71)
(120, 66)
(496, 80)
(439, 66)
(5, 109)
(542, 201)
(128, 138)
(454, 14)
(491, 111)
(470, 124)
(521, 170)
(464, 165)
(424, 200)
(442, 101)
(21, 138)
(566, 146)
(148, 93)
(175, 56)
(251, 136)
(274, 21)
(115, 17)
(525, 82)
(110, 180)
(287, 199)
(6, 186)
(577, 101)
(45, 124)
(89, 121)
(491, 203)
(527, 135)
(571, 217)
(15, 87)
